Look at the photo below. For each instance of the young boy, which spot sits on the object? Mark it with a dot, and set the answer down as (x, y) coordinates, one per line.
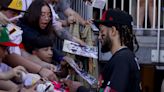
(41, 53)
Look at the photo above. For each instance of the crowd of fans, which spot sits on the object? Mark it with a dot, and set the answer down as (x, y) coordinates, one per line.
(34, 24)
(30, 61)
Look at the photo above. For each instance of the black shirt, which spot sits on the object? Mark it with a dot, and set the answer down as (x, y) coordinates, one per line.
(122, 72)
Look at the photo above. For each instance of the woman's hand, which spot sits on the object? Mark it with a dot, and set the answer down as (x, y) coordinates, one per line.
(71, 19)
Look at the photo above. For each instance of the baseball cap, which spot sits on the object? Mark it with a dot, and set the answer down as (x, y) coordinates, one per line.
(4, 38)
(113, 17)
(18, 5)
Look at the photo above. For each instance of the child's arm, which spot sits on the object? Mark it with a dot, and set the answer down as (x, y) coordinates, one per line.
(44, 64)
(8, 86)
(3, 91)
(6, 75)
(14, 60)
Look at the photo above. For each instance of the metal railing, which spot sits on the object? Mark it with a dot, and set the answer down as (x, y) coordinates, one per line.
(134, 5)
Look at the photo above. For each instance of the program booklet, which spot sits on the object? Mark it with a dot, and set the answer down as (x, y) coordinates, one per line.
(89, 78)
(77, 49)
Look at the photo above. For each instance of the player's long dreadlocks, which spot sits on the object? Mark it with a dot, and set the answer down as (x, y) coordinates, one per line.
(128, 37)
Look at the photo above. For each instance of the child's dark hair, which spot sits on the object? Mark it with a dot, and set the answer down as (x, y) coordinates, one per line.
(40, 42)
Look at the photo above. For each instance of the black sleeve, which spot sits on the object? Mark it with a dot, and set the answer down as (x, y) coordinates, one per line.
(82, 89)
(120, 75)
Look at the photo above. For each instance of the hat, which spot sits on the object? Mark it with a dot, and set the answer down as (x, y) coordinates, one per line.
(114, 17)
(4, 38)
(19, 5)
